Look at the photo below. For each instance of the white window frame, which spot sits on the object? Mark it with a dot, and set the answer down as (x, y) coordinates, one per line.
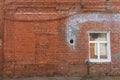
(98, 42)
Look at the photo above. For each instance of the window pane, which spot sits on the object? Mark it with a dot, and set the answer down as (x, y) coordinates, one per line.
(98, 37)
(93, 50)
(103, 51)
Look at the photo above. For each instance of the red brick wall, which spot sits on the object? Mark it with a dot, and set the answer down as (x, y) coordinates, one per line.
(1, 35)
(35, 44)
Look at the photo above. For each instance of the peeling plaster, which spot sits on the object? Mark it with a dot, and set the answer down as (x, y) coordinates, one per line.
(73, 28)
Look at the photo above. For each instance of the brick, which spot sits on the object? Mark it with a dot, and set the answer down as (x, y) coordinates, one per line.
(35, 43)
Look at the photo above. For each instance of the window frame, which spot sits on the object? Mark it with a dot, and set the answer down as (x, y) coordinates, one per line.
(108, 59)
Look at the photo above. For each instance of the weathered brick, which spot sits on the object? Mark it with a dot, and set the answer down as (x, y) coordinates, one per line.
(35, 37)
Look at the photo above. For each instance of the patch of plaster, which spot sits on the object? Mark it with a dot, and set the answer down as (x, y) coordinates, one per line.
(73, 28)
(117, 56)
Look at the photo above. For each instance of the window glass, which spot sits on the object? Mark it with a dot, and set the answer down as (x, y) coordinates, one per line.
(98, 37)
(103, 51)
(93, 50)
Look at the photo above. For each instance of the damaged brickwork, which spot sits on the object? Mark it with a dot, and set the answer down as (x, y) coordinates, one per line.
(50, 37)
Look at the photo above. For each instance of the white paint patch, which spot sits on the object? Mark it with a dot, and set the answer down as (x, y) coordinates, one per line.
(73, 28)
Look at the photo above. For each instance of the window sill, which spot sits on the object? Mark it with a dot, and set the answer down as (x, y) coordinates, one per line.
(99, 61)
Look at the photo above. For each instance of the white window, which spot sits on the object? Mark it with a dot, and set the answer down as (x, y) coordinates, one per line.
(99, 47)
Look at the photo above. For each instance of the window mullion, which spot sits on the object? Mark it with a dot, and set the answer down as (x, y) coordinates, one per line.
(98, 50)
